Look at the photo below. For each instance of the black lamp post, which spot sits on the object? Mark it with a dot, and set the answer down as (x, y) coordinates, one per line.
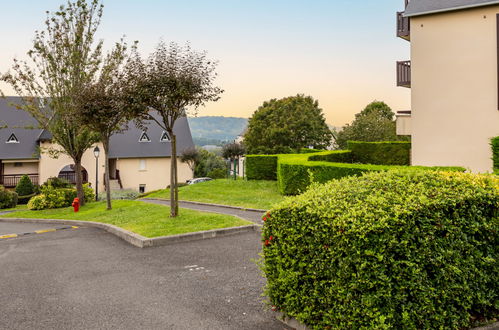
(96, 154)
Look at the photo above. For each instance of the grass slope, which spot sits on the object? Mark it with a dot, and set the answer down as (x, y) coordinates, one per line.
(250, 194)
(149, 220)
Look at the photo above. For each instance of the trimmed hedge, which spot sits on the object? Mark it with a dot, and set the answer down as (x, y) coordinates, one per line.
(295, 173)
(495, 153)
(388, 250)
(381, 153)
(309, 151)
(261, 167)
(340, 156)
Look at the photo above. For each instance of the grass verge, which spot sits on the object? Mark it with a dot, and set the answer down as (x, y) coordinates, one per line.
(149, 220)
(242, 193)
(18, 207)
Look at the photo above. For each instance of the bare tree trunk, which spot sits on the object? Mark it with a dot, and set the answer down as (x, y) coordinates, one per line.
(173, 203)
(79, 181)
(105, 144)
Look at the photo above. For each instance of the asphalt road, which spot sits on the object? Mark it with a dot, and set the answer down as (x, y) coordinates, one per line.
(88, 279)
(19, 228)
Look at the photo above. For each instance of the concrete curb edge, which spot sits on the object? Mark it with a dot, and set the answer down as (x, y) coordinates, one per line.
(139, 240)
(208, 204)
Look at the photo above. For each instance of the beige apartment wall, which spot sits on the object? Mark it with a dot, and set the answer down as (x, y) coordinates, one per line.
(454, 88)
(50, 167)
(156, 174)
(28, 167)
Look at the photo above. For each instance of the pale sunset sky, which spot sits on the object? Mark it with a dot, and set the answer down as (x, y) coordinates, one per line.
(341, 52)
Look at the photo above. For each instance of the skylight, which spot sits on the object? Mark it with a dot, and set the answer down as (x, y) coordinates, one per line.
(144, 137)
(12, 139)
(165, 137)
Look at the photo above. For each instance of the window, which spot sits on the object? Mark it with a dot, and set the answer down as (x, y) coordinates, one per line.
(144, 137)
(16, 164)
(12, 139)
(142, 165)
(164, 137)
(142, 188)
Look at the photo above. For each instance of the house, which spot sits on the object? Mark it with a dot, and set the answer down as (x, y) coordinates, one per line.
(139, 160)
(454, 81)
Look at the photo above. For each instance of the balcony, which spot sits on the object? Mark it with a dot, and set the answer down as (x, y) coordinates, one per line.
(403, 26)
(404, 74)
(11, 180)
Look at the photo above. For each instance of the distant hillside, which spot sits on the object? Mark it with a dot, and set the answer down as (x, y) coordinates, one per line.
(210, 129)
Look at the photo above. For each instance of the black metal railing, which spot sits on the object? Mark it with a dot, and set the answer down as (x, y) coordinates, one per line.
(11, 180)
(404, 74)
(71, 176)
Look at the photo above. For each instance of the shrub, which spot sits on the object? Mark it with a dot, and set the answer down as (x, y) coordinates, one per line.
(495, 153)
(217, 173)
(25, 186)
(309, 151)
(53, 198)
(381, 153)
(338, 156)
(122, 195)
(8, 199)
(57, 183)
(261, 167)
(397, 249)
(295, 173)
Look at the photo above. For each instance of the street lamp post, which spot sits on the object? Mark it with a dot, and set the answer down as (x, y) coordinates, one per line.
(96, 154)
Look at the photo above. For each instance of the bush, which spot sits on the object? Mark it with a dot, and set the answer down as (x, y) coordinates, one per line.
(53, 198)
(397, 249)
(261, 167)
(338, 156)
(25, 186)
(381, 153)
(495, 153)
(8, 199)
(122, 195)
(57, 183)
(217, 173)
(295, 173)
(309, 151)
(207, 162)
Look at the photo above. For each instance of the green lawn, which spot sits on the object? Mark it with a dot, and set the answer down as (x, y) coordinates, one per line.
(149, 220)
(243, 193)
(18, 207)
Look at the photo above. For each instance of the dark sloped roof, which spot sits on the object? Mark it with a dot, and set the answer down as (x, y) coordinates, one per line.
(425, 7)
(22, 125)
(123, 145)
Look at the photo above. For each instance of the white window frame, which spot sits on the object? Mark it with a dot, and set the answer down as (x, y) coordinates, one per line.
(142, 165)
(167, 137)
(144, 134)
(12, 136)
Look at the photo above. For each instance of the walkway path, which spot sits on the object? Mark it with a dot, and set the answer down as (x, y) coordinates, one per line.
(250, 215)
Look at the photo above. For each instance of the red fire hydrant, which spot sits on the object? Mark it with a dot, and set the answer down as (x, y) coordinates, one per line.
(76, 204)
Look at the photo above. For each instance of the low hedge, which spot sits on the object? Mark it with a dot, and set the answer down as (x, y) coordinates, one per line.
(387, 250)
(261, 167)
(339, 156)
(495, 153)
(381, 153)
(295, 173)
(8, 199)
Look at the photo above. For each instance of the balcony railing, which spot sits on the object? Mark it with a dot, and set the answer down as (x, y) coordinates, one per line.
(403, 26)
(404, 74)
(71, 176)
(11, 180)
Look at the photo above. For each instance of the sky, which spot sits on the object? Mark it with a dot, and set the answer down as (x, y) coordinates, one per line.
(341, 52)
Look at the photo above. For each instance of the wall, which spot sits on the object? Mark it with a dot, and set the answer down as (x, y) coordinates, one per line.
(454, 88)
(155, 176)
(29, 167)
(404, 125)
(50, 167)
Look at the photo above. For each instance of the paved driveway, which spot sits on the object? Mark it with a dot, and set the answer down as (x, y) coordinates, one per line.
(88, 279)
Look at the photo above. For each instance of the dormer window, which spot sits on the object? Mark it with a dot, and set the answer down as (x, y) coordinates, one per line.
(144, 137)
(164, 137)
(12, 139)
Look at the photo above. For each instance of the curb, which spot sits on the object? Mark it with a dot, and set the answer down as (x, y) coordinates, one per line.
(42, 231)
(208, 204)
(139, 240)
(297, 325)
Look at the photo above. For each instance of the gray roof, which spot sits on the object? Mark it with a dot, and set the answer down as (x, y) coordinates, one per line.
(123, 145)
(425, 7)
(23, 126)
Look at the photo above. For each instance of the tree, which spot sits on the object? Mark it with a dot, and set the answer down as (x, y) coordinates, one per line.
(107, 104)
(64, 59)
(374, 123)
(191, 157)
(174, 80)
(232, 152)
(287, 125)
(208, 163)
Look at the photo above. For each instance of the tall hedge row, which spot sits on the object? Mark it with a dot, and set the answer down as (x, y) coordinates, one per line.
(340, 156)
(261, 167)
(387, 250)
(381, 153)
(495, 153)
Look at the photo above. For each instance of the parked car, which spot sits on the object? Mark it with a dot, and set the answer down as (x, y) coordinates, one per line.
(198, 180)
